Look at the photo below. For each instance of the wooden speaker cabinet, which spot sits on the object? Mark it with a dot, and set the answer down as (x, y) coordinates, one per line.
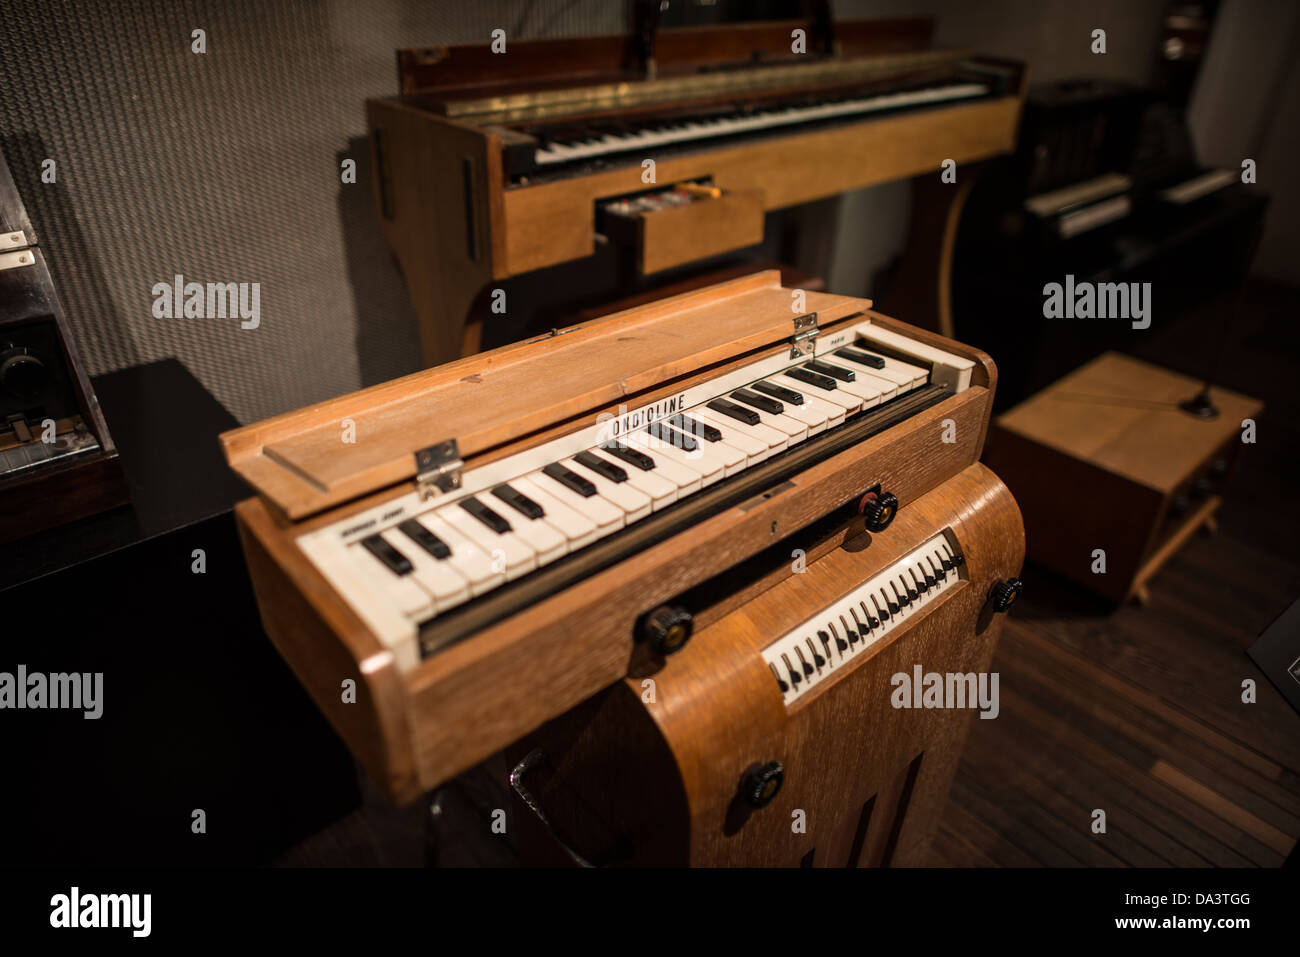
(708, 760)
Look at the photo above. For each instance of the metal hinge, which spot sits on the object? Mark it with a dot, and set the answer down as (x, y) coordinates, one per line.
(805, 335)
(14, 251)
(437, 469)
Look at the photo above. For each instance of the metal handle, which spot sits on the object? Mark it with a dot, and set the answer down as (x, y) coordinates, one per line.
(529, 762)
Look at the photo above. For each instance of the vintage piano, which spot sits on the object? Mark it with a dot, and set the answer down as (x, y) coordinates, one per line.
(670, 558)
(492, 165)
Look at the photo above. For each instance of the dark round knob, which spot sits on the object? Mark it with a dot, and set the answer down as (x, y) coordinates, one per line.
(762, 783)
(1005, 593)
(880, 511)
(22, 373)
(667, 629)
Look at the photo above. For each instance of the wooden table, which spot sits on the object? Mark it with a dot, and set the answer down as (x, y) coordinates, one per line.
(1104, 461)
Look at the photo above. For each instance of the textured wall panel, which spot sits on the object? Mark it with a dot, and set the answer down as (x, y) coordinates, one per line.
(225, 167)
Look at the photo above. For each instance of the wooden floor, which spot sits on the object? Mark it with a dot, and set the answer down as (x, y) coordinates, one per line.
(1135, 711)
(1138, 711)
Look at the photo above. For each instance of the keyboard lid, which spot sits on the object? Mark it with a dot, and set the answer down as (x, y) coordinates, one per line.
(329, 453)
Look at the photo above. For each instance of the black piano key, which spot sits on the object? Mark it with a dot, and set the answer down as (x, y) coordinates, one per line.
(762, 402)
(420, 534)
(631, 456)
(834, 371)
(823, 382)
(778, 392)
(601, 466)
(664, 434)
(485, 515)
(733, 411)
(861, 358)
(520, 502)
(378, 546)
(570, 479)
(696, 428)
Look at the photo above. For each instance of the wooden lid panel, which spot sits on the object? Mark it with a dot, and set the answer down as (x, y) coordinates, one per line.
(304, 462)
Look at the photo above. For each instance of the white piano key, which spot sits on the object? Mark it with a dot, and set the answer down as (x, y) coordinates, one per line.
(795, 431)
(438, 577)
(546, 541)
(661, 491)
(903, 375)
(507, 551)
(634, 503)
(607, 516)
(812, 414)
(868, 387)
(687, 479)
(402, 591)
(580, 530)
(733, 458)
(848, 402)
(394, 630)
(710, 470)
(754, 448)
(471, 562)
(734, 430)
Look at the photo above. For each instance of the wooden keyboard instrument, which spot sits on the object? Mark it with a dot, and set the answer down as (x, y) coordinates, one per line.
(452, 560)
(490, 165)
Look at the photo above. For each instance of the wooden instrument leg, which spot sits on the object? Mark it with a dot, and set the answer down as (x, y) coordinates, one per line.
(921, 287)
(450, 326)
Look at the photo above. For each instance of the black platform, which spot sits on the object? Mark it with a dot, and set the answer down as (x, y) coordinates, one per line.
(199, 711)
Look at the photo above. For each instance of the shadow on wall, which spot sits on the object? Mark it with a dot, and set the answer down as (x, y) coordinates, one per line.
(97, 326)
(387, 337)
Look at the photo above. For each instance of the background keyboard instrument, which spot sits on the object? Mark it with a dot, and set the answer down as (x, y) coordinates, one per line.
(489, 165)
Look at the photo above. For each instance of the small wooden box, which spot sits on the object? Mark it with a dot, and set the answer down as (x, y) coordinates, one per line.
(1105, 459)
(676, 235)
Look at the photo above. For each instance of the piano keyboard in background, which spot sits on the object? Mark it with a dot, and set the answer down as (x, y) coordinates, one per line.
(827, 642)
(409, 561)
(598, 141)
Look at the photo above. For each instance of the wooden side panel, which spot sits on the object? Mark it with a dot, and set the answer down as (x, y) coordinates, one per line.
(326, 645)
(438, 193)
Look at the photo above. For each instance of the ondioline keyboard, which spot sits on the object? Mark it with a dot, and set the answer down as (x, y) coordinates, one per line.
(407, 564)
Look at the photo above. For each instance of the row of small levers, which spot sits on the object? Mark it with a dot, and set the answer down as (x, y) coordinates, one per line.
(819, 649)
(439, 559)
